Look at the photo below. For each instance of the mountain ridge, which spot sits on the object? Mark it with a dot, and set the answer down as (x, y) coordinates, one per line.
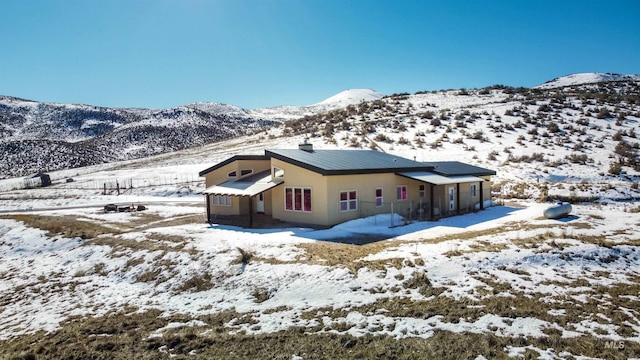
(36, 136)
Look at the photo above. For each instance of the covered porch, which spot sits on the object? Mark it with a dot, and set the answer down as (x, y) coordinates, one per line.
(244, 202)
(449, 195)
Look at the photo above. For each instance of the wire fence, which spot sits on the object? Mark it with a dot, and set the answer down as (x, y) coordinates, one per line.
(120, 185)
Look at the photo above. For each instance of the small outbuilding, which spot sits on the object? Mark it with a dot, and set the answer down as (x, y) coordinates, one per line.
(37, 180)
(45, 179)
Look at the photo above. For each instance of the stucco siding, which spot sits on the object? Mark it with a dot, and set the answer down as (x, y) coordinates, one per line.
(296, 177)
(220, 175)
(234, 209)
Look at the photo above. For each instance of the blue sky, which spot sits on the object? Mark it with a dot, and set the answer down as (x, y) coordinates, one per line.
(260, 53)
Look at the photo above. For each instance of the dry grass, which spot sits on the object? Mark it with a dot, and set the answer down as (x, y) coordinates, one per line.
(125, 335)
(123, 246)
(85, 228)
(67, 226)
(196, 283)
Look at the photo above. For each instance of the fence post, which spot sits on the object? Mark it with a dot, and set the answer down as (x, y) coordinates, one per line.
(391, 214)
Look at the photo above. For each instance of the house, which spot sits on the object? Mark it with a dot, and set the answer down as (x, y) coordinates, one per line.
(327, 187)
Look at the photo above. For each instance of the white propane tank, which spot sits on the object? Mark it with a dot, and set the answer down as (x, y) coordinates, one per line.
(557, 211)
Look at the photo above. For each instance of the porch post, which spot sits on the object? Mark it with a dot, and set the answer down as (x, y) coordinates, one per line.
(458, 198)
(207, 198)
(250, 212)
(431, 200)
(481, 196)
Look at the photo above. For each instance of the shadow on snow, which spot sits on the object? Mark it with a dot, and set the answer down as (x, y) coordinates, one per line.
(380, 227)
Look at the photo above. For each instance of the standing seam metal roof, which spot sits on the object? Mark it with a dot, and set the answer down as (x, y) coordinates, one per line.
(347, 162)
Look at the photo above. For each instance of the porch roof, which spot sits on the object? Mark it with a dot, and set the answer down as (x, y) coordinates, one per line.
(435, 179)
(249, 186)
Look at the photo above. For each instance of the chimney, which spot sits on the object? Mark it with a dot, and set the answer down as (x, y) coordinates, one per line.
(306, 146)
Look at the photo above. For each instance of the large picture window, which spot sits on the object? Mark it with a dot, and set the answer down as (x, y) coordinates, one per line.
(401, 192)
(348, 200)
(297, 199)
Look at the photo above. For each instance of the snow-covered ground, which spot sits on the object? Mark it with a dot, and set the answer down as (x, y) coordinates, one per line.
(280, 276)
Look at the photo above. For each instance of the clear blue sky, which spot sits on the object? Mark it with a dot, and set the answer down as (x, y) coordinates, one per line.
(260, 53)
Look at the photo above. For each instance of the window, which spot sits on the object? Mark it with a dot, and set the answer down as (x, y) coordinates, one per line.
(473, 190)
(379, 197)
(221, 200)
(348, 200)
(277, 172)
(297, 199)
(288, 199)
(244, 172)
(401, 192)
(306, 199)
(422, 192)
(232, 174)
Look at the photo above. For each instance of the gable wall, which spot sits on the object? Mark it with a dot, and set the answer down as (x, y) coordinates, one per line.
(295, 176)
(219, 176)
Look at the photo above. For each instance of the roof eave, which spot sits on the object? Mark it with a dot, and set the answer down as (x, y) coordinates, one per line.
(230, 160)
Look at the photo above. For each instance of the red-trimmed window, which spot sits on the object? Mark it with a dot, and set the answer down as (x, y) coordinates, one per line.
(348, 200)
(288, 199)
(379, 199)
(401, 192)
(307, 199)
(297, 199)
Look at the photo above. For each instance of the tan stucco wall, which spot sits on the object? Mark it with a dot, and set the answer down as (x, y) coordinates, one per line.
(298, 177)
(234, 209)
(366, 185)
(267, 202)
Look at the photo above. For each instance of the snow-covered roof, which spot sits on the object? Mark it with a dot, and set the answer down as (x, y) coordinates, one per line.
(436, 179)
(245, 187)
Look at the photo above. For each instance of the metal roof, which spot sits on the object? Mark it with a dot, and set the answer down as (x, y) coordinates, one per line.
(249, 186)
(458, 168)
(436, 179)
(346, 162)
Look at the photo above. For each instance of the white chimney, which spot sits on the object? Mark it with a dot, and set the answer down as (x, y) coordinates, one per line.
(306, 146)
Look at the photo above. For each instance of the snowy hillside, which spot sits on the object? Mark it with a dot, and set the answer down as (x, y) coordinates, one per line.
(36, 137)
(586, 78)
(338, 101)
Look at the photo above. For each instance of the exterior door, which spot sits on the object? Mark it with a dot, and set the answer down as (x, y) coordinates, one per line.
(452, 198)
(260, 204)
